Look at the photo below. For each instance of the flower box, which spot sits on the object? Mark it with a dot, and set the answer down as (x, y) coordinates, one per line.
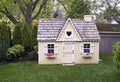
(87, 55)
(50, 55)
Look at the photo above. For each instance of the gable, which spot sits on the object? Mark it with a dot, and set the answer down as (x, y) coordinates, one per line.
(69, 32)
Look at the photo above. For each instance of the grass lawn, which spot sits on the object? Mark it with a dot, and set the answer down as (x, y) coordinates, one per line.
(30, 71)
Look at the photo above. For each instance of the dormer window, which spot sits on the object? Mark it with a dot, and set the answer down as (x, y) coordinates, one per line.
(69, 34)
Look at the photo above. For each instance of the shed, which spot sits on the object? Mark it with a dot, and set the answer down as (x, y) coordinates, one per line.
(68, 41)
(109, 34)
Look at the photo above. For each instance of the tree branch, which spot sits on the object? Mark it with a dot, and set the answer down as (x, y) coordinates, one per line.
(34, 4)
(44, 2)
(117, 19)
(8, 14)
(21, 7)
(63, 5)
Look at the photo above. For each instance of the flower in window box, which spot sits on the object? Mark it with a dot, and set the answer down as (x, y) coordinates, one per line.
(49, 54)
(87, 53)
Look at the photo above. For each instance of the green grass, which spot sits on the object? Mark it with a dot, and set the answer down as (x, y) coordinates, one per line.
(30, 71)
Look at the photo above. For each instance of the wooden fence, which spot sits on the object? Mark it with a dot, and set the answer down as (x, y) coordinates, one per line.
(108, 39)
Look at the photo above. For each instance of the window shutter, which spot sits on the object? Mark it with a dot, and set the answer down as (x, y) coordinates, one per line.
(46, 49)
(92, 48)
(82, 48)
(56, 49)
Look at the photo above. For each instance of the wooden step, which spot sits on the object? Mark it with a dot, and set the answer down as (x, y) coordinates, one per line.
(68, 64)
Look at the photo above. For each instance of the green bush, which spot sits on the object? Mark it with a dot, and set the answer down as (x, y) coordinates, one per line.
(14, 52)
(35, 48)
(5, 38)
(17, 35)
(26, 39)
(32, 55)
(34, 36)
(116, 52)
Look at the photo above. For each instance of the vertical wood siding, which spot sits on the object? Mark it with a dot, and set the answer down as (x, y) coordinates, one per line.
(107, 42)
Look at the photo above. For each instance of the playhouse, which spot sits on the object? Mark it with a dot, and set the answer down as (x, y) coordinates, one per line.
(68, 41)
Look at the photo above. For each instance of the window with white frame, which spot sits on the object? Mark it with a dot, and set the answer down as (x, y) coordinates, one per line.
(50, 48)
(86, 48)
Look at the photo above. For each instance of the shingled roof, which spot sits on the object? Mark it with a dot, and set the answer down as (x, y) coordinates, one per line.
(49, 29)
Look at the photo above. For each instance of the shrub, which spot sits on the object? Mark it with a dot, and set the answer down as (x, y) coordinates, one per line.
(5, 37)
(35, 48)
(32, 55)
(14, 52)
(17, 35)
(26, 40)
(116, 52)
(34, 36)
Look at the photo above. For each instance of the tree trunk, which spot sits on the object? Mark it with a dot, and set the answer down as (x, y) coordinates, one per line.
(29, 23)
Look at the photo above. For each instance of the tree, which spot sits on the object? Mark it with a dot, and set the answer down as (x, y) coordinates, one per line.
(79, 8)
(17, 35)
(76, 8)
(107, 9)
(116, 52)
(26, 39)
(113, 6)
(5, 37)
(34, 36)
(26, 7)
(8, 8)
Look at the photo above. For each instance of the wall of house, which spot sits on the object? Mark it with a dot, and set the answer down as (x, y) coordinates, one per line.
(78, 58)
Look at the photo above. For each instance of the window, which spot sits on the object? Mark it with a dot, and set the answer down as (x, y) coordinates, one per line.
(69, 34)
(86, 48)
(50, 48)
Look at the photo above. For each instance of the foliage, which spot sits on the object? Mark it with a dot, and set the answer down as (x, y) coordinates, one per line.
(17, 10)
(17, 35)
(32, 55)
(26, 39)
(108, 9)
(5, 38)
(34, 36)
(35, 48)
(15, 51)
(30, 71)
(116, 51)
(47, 10)
(79, 8)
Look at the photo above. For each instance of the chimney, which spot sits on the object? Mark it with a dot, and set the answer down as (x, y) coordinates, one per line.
(88, 18)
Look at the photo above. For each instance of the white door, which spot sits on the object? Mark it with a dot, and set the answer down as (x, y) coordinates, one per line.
(68, 52)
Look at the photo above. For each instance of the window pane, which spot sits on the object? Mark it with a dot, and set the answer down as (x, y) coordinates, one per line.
(86, 50)
(50, 48)
(86, 45)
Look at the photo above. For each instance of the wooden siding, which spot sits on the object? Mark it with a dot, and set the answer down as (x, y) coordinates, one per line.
(107, 41)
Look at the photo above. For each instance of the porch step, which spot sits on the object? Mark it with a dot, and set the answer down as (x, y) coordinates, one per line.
(68, 64)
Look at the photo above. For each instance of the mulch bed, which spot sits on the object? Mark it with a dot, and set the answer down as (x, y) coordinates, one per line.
(21, 59)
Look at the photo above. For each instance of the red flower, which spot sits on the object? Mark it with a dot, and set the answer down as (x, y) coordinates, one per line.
(87, 53)
(49, 54)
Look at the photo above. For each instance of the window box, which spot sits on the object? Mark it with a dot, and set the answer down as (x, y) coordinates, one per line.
(87, 55)
(50, 55)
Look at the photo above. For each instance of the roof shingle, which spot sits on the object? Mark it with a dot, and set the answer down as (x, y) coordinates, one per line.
(49, 29)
